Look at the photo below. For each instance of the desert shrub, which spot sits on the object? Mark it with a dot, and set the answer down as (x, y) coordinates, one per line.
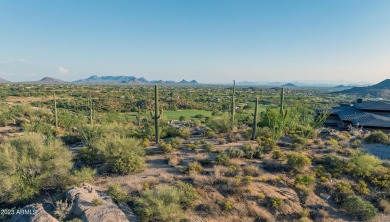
(362, 188)
(298, 162)
(304, 183)
(251, 170)
(364, 165)
(175, 142)
(83, 175)
(304, 179)
(385, 206)
(278, 154)
(221, 124)
(194, 167)
(31, 163)
(62, 209)
(166, 147)
(208, 147)
(221, 141)
(234, 152)
(356, 143)
(91, 134)
(40, 126)
(274, 202)
(359, 208)
(123, 155)
(249, 152)
(209, 133)
(117, 193)
(381, 178)
(223, 159)
(174, 160)
(267, 144)
(299, 140)
(377, 137)
(227, 205)
(165, 203)
(96, 201)
(192, 146)
(333, 164)
(343, 190)
(185, 133)
(90, 156)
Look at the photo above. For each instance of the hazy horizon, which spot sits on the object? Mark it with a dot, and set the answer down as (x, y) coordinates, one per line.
(210, 41)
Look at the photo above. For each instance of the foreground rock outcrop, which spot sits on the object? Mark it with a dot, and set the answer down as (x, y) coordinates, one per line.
(90, 206)
(33, 212)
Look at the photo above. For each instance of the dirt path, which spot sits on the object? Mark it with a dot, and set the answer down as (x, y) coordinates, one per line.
(379, 150)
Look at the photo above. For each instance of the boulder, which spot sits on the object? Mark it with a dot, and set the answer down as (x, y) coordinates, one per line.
(32, 212)
(90, 206)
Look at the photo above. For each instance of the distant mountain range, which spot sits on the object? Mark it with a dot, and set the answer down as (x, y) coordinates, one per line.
(131, 80)
(289, 85)
(381, 89)
(293, 84)
(3, 81)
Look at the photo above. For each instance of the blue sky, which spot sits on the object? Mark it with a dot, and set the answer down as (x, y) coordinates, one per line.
(212, 41)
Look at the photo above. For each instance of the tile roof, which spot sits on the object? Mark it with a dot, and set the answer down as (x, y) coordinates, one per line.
(360, 118)
(373, 105)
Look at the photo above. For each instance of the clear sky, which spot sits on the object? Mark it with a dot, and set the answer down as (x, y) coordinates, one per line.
(212, 41)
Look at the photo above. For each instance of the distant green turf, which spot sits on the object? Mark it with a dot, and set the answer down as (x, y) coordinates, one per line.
(188, 114)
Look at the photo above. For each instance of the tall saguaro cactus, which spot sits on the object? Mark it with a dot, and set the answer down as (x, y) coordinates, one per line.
(233, 104)
(55, 110)
(254, 127)
(90, 104)
(139, 116)
(281, 101)
(157, 114)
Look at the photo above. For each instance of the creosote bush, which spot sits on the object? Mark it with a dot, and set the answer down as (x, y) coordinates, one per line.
(117, 193)
(298, 162)
(359, 208)
(377, 137)
(165, 203)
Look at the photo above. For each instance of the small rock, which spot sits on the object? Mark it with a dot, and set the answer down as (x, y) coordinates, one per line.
(325, 196)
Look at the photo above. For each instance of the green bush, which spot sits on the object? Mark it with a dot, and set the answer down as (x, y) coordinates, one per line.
(123, 155)
(166, 147)
(359, 208)
(223, 159)
(234, 152)
(166, 203)
(208, 147)
(377, 137)
(364, 165)
(333, 164)
(298, 162)
(343, 190)
(31, 163)
(83, 175)
(117, 194)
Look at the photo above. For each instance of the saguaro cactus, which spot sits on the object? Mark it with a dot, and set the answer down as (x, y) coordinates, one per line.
(139, 116)
(281, 101)
(55, 110)
(90, 104)
(157, 114)
(254, 127)
(233, 104)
